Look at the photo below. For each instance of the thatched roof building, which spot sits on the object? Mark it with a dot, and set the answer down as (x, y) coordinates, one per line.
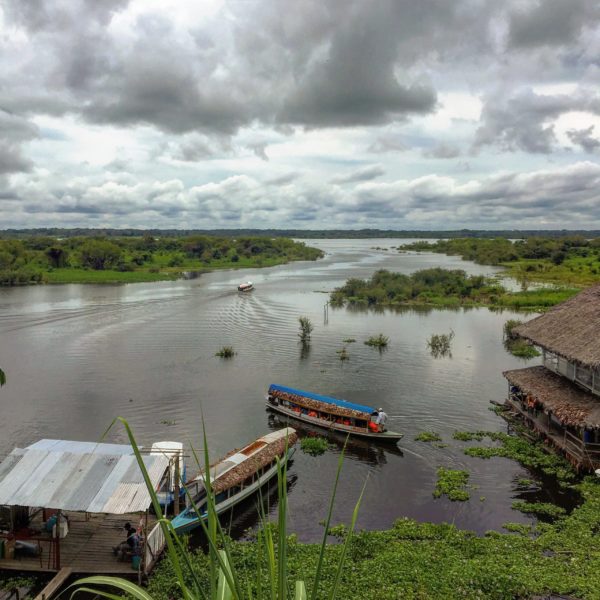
(570, 329)
(571, 405)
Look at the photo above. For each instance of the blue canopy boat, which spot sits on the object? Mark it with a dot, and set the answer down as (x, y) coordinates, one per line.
(329, 413)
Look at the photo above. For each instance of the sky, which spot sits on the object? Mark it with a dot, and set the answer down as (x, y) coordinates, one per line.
(346, 114)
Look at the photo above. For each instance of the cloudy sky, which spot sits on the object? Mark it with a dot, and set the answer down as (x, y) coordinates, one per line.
(307, 114)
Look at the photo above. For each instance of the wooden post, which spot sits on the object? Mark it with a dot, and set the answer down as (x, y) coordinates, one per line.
(176, 488)
(57, 553)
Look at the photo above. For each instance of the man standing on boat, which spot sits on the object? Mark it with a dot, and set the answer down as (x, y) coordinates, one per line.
(381, 419)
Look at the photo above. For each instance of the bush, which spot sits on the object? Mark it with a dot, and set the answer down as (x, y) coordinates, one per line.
(378, 341)
(225, 352)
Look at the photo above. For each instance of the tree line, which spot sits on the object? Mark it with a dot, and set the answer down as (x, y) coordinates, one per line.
(33, 259)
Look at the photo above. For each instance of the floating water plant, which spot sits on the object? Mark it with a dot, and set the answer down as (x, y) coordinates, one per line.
(540, 509)
(314, 446)
(428, 436)
(225, 352)
(378, 341)
(452, 483)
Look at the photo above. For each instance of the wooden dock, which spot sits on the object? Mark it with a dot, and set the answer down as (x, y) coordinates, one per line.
(87, 548)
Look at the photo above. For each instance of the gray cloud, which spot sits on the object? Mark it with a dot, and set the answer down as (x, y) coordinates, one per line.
(584, 138)
(387, 143)
(550, 22)
(362, 174)
(523, 121)
(442, 150)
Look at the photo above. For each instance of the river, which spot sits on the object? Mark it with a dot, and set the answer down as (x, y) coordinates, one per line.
(76, 356)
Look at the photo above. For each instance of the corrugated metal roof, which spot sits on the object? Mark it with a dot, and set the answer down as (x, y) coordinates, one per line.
(79, 476)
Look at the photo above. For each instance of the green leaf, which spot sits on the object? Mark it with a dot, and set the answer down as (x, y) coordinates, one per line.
(125, 586)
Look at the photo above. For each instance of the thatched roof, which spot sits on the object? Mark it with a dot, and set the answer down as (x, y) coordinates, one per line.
(570, 404)
(262, 458)
(570, 329)
(316, 405)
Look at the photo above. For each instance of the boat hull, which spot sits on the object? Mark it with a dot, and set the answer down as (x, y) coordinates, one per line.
(386, 436)
(182, 525)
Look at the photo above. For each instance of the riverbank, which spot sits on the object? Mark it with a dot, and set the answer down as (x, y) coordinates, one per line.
(566, 261)
(37, 260)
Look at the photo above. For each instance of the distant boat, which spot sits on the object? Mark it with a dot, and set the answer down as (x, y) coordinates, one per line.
(245, 287)
(236, 476)
(329, 413)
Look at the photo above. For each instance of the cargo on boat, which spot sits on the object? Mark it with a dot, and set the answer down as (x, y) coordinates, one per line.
(236, 476)
(329, 413)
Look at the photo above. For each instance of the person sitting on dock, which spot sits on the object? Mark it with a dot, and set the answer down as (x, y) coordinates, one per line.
(381, 420)
(130, 546)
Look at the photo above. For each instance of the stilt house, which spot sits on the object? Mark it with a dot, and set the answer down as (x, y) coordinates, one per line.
(561, 398)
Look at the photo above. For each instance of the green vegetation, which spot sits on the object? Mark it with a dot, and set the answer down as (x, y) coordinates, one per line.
(441, 288)
(378, 341)
(452, 483)
(349, 341)
(469, 436)
(527, 453)
(2, 378)
(571, 260)
(314, 446)
(540, 509)
(306, 328)
(521, 349)
(132, 259)
(428, 436)
(514, 344)
(440, 343)
(343, 354)
(225, 352)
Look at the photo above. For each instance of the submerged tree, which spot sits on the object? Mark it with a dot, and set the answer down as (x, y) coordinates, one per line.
(440, 343)
(306, 328)
(2, 378)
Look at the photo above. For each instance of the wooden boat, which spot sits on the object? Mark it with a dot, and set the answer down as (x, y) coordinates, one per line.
(245, 287)
(236, 476)
(329, 413)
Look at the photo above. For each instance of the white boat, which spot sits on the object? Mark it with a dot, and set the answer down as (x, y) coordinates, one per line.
(171, 450)
(245, 287)
(236, 476)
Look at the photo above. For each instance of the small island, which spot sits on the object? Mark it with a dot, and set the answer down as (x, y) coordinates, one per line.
(130, 259)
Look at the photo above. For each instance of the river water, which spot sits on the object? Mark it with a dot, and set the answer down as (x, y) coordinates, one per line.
(76, 356)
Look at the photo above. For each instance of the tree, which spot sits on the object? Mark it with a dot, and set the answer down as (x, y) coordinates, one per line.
(99, 254)
(306, 328)
(57, 256)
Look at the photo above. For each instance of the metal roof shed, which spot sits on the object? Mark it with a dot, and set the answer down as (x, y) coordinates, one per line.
(80, 477)
(104, 481)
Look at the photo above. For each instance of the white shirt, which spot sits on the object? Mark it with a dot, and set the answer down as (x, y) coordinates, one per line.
(381, 418)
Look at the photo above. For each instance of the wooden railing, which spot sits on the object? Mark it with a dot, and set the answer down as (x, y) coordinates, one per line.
(153, 547)
(585, 453)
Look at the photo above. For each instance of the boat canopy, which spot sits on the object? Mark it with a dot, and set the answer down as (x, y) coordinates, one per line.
(320, 398)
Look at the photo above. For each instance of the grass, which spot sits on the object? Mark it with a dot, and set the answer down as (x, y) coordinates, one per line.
(378, 341)
(452, 483)
(428, 436)
(314, 446)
